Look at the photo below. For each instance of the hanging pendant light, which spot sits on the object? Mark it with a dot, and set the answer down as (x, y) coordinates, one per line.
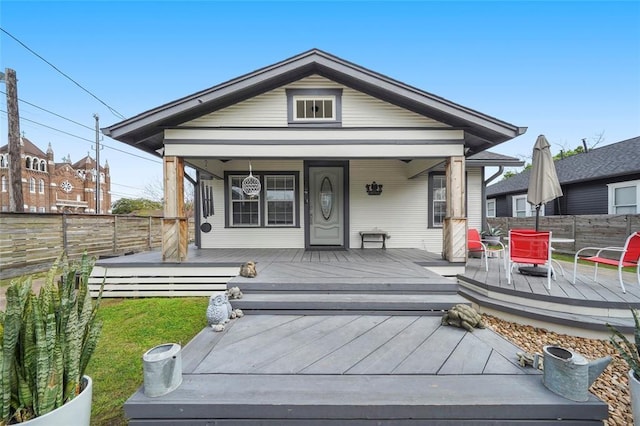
(251, 184)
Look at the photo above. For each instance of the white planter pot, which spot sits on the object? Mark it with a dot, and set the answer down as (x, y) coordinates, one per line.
(76, 412)
(634, 388)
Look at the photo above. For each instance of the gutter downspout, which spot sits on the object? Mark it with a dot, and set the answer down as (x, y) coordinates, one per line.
(484, 192)
(494, 176)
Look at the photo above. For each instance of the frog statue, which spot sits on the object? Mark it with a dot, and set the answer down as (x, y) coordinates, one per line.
(463, 316)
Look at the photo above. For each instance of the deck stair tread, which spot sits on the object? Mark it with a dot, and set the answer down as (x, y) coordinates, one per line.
(386, 285)
(361, 302)
(591, 322)
(356, 370)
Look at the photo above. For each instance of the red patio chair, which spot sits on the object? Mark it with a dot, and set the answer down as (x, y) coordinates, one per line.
(629, 256)
(475, 244)
(531, 248)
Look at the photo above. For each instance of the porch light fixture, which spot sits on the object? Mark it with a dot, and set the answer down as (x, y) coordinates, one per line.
(373, 188)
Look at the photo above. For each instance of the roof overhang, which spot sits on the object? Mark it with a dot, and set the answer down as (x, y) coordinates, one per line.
(146, 130)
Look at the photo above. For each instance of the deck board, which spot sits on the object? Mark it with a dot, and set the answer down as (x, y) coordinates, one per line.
(333, 370)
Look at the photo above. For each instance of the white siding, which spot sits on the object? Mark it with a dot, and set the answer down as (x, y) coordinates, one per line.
(221, 237)
(474, 198)
(401, 209)
(270, 110)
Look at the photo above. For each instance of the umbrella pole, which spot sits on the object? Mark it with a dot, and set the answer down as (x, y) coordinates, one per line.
(537, 216)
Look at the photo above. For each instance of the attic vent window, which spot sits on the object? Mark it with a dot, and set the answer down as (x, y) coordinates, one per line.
(318, 108)
(314, 107)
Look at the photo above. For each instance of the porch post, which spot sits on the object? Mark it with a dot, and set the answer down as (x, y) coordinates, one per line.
(455, 223)
(174, 223)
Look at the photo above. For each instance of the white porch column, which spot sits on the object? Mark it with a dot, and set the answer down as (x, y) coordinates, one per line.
(175, 230)
(455, 223)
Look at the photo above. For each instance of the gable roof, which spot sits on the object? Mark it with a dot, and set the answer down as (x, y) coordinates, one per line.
(145, 130)
(617, 159)
(28, 147)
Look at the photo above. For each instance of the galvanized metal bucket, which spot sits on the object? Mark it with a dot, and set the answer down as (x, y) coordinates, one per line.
(162, 367)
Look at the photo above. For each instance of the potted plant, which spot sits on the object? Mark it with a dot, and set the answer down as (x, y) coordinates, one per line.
(630, 353)
(491, 235)
(46, 342)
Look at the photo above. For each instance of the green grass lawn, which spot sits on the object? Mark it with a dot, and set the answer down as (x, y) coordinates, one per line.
(132, 327)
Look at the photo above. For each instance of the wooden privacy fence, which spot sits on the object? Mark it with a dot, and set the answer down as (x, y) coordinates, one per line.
(30, 242)
(586, 230)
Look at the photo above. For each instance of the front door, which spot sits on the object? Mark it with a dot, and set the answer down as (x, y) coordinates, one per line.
(325, 217)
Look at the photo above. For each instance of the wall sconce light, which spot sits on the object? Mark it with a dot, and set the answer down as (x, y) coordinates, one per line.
(374, 188)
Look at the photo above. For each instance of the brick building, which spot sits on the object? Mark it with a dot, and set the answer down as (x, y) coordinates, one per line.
(50, 187)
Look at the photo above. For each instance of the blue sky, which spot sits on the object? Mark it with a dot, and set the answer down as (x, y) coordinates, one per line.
(569, 70)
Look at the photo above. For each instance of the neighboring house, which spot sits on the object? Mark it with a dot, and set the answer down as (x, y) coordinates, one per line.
(604, 180)
(50, 187)
(316, 131)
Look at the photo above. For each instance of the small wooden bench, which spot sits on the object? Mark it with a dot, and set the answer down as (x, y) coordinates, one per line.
(373, 237)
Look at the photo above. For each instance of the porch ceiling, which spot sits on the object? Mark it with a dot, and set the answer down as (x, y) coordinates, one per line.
(145, 131)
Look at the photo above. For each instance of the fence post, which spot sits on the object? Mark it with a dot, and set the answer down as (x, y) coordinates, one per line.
(115, 234)
(149, 235)
(64, 232)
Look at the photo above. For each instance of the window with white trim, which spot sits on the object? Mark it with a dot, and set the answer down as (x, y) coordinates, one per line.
(276, 205)
(491, 207)
(522, 208)
(624, 197)
(32, 185)
(314, 107)
(280, 202)
(41, 186)
(4, 183)
(437, 200)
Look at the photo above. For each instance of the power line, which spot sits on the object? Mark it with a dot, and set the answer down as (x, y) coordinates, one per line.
(113, 111)
(85, 139)
(52, 113)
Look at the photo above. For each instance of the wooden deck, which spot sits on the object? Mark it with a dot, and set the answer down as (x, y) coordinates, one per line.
(354, 338)
(580, 309)
(355, 370)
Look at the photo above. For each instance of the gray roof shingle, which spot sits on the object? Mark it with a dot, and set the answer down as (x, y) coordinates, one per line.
(616, 159)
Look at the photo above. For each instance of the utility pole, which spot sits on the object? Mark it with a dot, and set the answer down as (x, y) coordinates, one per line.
(16, 200)
(97, 162)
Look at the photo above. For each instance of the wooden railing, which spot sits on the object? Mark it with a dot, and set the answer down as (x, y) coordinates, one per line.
(30, 242)
(586, 230)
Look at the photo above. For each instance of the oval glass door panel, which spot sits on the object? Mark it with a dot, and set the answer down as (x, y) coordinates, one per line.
(326, 198)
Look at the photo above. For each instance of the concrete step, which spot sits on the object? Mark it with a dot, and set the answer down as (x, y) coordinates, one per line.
(348, 303)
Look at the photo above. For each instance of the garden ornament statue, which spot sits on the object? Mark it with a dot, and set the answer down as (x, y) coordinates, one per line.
(569, 374)
(463, 316)
(220, 311)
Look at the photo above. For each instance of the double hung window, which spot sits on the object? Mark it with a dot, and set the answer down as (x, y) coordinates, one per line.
(275, 206)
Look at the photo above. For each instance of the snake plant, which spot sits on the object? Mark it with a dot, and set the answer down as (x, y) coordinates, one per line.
(630, 352)
(46, 341)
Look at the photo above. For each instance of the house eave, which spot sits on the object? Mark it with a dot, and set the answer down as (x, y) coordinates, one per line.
(145, 130)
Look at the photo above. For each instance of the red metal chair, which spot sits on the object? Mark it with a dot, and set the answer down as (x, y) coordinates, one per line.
(629, 256)
(531, 248)
(475, 244)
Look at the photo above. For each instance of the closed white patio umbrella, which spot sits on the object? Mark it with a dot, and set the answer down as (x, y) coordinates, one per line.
(543, 180)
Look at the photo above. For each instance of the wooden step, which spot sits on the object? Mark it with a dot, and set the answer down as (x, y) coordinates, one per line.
(362, 400)
(594, 323)
(383, 285)
(361, 303)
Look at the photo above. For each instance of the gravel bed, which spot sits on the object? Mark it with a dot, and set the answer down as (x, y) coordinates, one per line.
(612, 386)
